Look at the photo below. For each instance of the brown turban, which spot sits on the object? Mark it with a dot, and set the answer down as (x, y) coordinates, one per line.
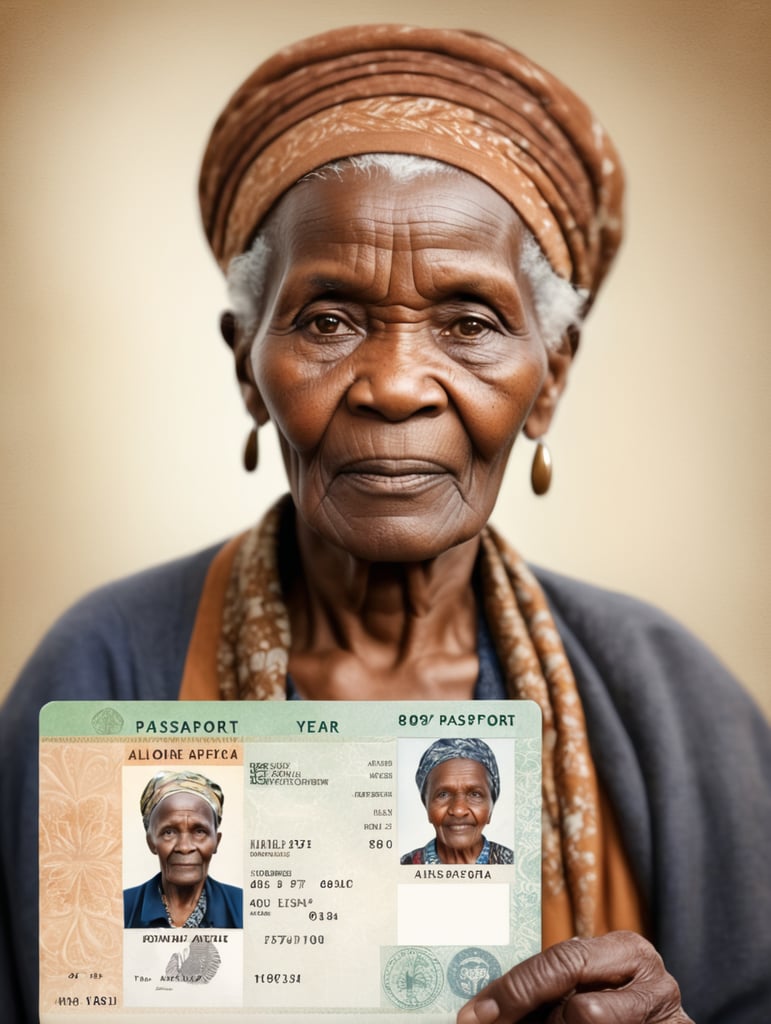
(166, 783)
(456, 96)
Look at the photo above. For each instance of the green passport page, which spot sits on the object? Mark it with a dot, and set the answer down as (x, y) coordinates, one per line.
(320, 807)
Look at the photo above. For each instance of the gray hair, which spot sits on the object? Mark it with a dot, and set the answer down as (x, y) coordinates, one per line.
(558, 305)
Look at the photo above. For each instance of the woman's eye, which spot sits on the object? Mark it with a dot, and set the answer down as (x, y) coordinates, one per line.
(468, 328)
(321, 326)
(326, 323)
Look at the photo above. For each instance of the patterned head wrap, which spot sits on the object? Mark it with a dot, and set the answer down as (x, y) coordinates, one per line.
(165, 783)
(449, 749)
(456, 96)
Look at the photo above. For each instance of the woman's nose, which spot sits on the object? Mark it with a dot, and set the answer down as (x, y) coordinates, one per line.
(459, 807)
(394, 380)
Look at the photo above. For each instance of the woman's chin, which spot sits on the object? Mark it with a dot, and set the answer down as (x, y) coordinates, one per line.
(399, 542)
(381, 535)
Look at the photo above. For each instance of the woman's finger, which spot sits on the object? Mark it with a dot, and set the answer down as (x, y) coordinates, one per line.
(608, 980)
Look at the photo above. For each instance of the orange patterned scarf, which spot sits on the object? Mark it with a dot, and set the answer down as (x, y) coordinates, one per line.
(253, 656)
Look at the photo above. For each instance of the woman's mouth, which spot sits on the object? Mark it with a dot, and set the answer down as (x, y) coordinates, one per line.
(392, 476)
(392, 467)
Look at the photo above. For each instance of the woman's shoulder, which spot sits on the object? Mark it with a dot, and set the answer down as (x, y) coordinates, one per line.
(225, 888)
(590, 605)
(226, 902)
(124, 640)
(171, 587)
(619, 630)
(649, 666)
(500, 854)
(132, 894)
(416, 856)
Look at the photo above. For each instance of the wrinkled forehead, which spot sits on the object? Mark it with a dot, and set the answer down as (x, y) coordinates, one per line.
(182, 803)
(458, 771)
(400, 197)
(448, 216)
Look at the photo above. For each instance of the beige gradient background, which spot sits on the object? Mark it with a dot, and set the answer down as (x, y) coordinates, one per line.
(121, 426)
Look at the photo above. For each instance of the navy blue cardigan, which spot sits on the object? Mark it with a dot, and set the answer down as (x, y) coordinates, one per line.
(143, 906)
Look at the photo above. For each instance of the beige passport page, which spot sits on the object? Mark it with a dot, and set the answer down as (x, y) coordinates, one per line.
(334, 893)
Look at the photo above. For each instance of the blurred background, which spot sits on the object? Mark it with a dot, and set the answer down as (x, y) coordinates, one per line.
(122, 429)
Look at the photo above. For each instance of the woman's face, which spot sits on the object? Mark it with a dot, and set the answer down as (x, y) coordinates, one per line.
(183, 833)
(459, 805)
(398, 355)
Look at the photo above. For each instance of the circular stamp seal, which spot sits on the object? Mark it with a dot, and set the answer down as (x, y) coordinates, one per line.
(412, 978)
(470, 970)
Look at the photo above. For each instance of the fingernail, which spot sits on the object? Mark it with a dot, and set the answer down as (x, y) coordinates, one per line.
(483, 1011)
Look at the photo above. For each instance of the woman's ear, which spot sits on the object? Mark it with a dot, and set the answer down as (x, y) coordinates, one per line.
(559, 360)
(151, 845)
(234, 337)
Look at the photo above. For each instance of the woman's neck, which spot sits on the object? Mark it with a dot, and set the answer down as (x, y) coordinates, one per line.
(448, 855)
(180, 901)
(388, 631)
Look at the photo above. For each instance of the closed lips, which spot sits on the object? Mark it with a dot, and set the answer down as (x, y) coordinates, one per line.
(392, 467)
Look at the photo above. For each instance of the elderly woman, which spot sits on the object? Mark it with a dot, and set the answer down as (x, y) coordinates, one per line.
(459, 784)
(414, 224)
(181, 814)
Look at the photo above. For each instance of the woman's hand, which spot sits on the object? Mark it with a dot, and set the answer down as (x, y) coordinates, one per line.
(618, 978)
